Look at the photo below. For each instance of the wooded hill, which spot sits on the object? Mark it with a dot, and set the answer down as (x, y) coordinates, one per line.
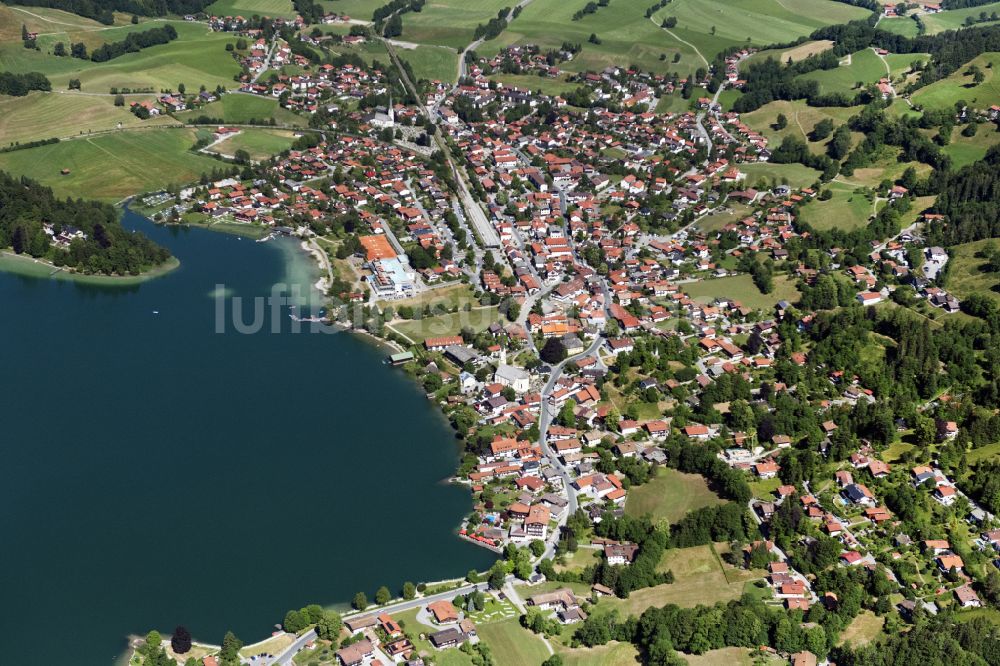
(26, 207)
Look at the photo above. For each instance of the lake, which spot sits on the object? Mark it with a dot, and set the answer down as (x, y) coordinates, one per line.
(157, 472)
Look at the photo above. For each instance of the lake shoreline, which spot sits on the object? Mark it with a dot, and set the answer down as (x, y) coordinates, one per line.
(27, 266)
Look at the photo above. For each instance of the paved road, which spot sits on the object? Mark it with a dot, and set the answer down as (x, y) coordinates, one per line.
(285, 657)
(476, 44)
(474, 213)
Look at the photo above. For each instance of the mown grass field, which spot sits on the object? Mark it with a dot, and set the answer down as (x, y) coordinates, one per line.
(866, 67)
(903, 25)
(627, 36)
(712, 25)
(248, 8)
(742, 289)
(261, 144)
(955, 18)
(196, 58)
(449, 22)
(959, 86)
(46, 115)
(511, 643)
(966, 275)
(113, 166)
(240, 108)
(670, 495)
(434, 63)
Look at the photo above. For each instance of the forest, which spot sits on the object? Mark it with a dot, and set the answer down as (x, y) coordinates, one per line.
(26, 206)
(19, 85)
(133, 42)
(970, 199)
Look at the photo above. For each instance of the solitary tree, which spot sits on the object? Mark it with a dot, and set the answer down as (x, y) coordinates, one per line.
(553, 351)
(180, 642)
(409, 590)
(382, 596)
(360, 601)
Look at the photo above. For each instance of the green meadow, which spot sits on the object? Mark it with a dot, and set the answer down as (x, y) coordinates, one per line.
(846, 210)
(197, 57)
(712, 25)
(954, 19)
(626, 35)
(434, 63)
(796, 175)
(903, 25)
(248, 8)
(113, 166)
(866, 67)
(241, 108)
(47, 115)
(449, 22)
(959, 86)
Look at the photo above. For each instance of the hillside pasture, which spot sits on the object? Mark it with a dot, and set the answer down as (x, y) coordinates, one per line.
(718, 23)
(954, 19)
(901, 25)
(248, 8)
(197, 57)
(846, 210)
(41, 20)
(959, 86)
(965, 150)
(627, 37)
(802, 119)
(795, 175)
(865, 67)
(113, 166)
(46, 115)
(450, 22)
(969, 274)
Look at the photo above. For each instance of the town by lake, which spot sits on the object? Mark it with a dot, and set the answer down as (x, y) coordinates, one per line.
(158, 472)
